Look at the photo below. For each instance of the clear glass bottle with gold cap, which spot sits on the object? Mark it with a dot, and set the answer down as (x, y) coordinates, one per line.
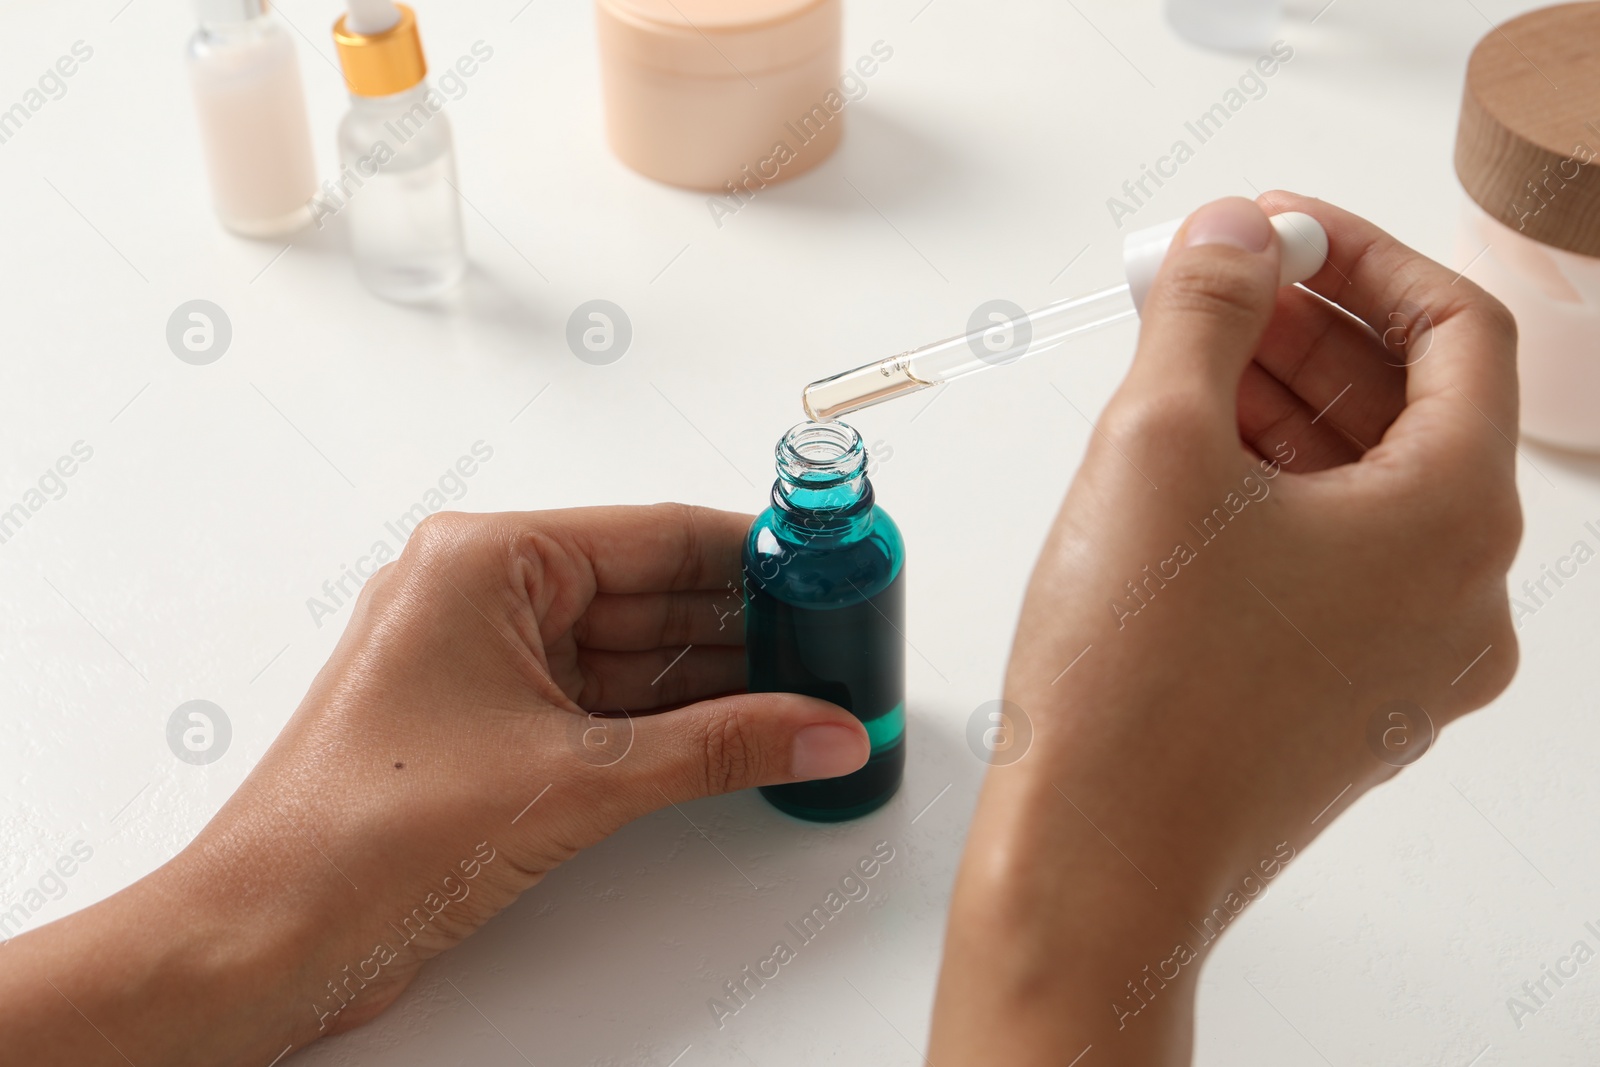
(397, 176)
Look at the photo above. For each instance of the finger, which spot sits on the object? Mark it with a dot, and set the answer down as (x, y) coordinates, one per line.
(638, 622)
(1275, 422)
(739, 742)
(1335, 363)
(640, 681)
(1204, 318)
(647, 549)
(1458, 342)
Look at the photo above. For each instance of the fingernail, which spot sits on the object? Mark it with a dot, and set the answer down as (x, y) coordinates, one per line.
(1233, 221)
(827, 751)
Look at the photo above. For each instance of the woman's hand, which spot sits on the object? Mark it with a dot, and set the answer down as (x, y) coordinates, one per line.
(442, 762)
(1283, 557)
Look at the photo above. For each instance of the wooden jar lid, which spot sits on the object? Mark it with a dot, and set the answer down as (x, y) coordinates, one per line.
(1528, 147)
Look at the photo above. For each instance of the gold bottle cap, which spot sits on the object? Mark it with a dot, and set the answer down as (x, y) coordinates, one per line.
(381, 64)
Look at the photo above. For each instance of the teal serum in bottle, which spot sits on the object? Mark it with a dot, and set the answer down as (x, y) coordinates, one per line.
(824, 588)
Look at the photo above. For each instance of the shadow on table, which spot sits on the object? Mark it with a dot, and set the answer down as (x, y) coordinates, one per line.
(1585, 465)
(884, 163)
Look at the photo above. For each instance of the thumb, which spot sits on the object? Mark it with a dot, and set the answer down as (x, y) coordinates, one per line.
(1206, 312)
(739, 742)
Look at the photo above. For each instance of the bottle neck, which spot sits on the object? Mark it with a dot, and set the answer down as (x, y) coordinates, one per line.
(225, 18)
(379, 105)
(237, 34)
(822, 489)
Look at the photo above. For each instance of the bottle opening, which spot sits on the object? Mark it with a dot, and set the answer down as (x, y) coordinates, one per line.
(821, 453)
(821, 466)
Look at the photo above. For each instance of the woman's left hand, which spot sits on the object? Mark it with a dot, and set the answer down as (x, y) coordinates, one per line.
(481, 721)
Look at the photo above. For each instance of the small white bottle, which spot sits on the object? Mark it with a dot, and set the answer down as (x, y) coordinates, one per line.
(252, 115)
(1229, 25)
(397, 169)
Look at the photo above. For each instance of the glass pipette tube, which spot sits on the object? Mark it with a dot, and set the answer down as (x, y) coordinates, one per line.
(1001, 341)
(1302, 242)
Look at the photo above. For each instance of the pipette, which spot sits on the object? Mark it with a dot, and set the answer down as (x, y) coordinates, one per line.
(1005, 338)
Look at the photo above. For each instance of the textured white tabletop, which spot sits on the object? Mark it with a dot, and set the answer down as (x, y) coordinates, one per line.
(178, 562)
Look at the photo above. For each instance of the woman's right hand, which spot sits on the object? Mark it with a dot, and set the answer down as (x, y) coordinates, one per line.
(1282, 561)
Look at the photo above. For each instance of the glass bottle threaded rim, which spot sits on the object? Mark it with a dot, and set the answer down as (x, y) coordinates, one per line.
(822, 466)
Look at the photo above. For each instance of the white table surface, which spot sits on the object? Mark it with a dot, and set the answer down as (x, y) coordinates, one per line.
(219, 498)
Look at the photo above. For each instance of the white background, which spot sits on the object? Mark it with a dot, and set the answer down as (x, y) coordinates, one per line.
(219, 498)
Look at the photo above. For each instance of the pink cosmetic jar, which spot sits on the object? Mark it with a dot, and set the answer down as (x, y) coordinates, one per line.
(711, 93)
(1528, 156)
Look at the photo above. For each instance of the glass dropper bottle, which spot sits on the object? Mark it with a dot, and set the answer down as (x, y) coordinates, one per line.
(397, 181)
(253, 123)
(825, 599)
(1305, 248)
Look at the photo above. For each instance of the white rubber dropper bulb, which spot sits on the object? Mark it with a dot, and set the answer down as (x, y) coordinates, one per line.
(1303, 241)
(371, 16)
